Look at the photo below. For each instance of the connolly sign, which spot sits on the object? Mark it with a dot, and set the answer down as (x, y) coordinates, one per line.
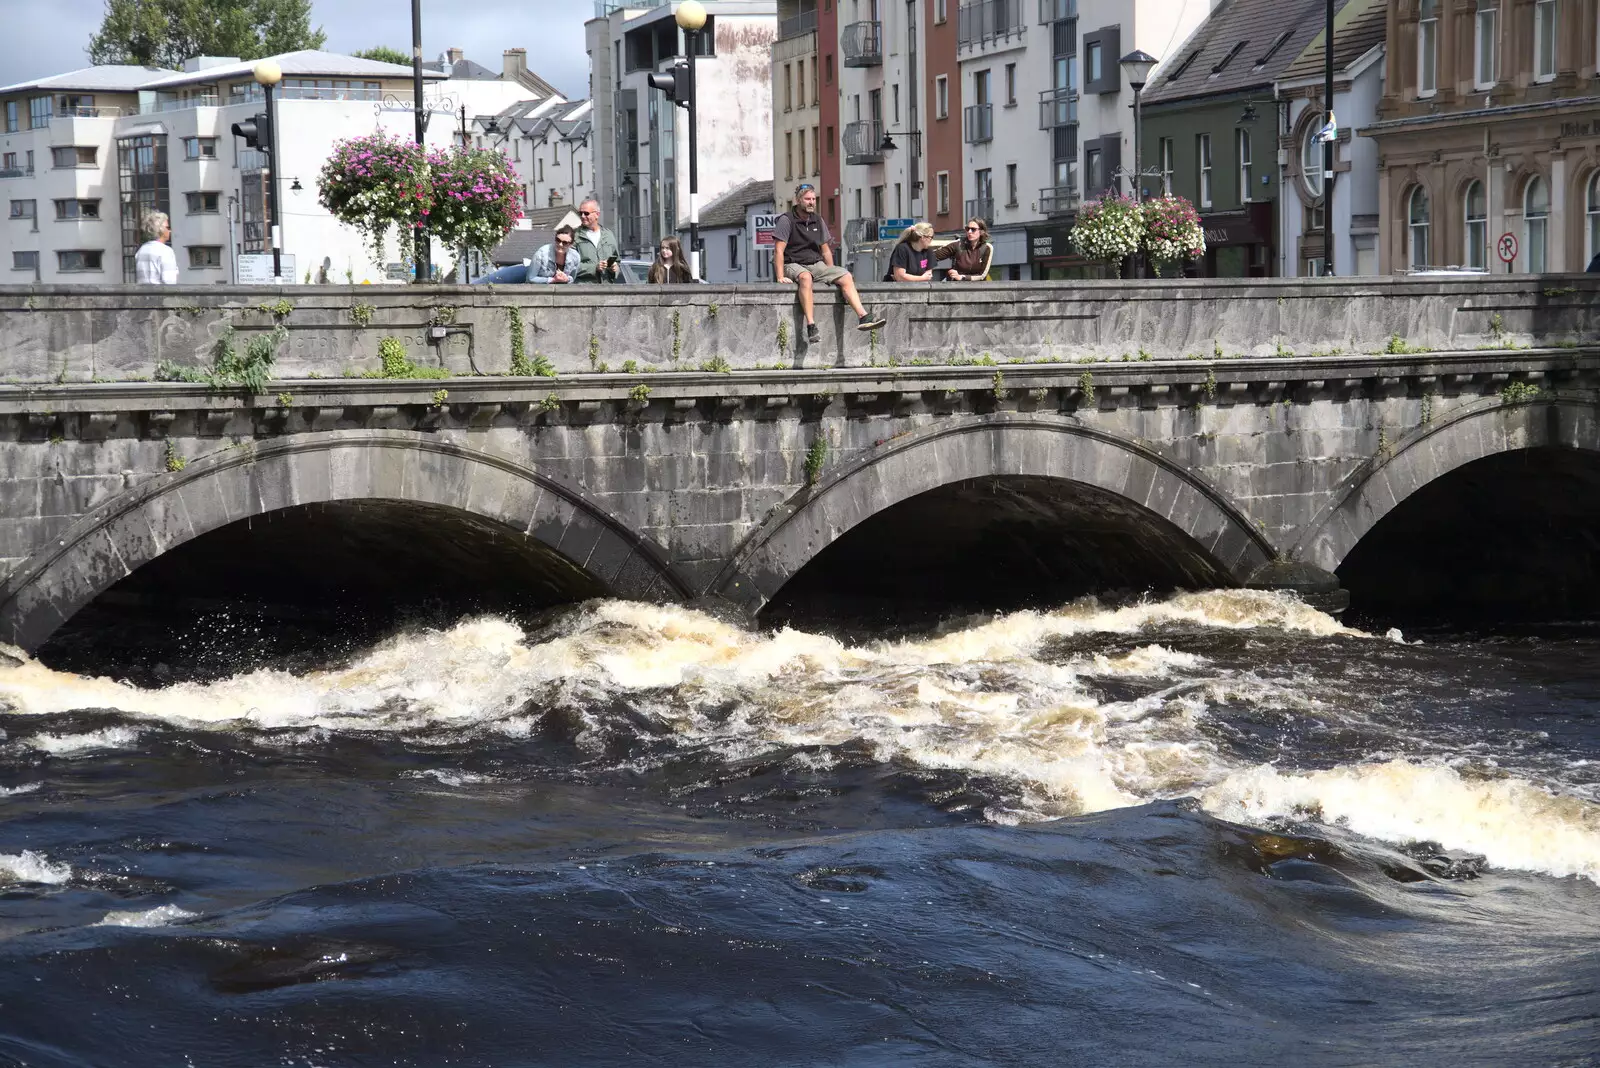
(1580, 128)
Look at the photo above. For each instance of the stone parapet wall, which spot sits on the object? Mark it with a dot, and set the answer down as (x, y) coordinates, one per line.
(123, 333)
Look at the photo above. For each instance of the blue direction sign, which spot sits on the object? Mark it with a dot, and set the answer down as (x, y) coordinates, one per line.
(891, 229)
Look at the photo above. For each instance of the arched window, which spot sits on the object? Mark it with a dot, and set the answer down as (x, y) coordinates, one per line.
(1311, 160)
(1418, 230)
(1536, 223)
(1592, 214)
(1477, 211)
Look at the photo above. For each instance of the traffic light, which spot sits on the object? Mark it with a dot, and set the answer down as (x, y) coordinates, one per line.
(677, 83)
(257, 132)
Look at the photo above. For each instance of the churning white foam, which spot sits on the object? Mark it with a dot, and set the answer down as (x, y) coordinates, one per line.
(160, 916)
(31, 867)
(978, 700)
(67, 745)
(12, 791)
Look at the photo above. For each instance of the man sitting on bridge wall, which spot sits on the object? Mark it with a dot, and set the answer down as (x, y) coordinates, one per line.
(811, 258)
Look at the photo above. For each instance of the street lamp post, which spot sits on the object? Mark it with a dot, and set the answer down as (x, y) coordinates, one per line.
(1327, 146)
(268, 74)
(1136, 67)
(691, 17)
(420, 260)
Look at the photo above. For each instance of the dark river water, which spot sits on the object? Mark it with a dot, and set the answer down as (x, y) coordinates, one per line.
(1216, 829)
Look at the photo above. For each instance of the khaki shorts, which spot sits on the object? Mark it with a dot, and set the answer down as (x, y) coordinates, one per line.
(819, 272)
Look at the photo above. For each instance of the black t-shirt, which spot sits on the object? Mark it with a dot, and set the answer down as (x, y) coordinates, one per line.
(910, 260)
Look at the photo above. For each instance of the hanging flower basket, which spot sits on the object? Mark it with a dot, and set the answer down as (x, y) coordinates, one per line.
(1108, 229)
(1172, 231)
(475, 199)
(376, 182)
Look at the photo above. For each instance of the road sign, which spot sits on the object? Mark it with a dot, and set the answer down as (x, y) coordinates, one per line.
(891, 229)
(255, 269)
(1507, 247)
(764, 226)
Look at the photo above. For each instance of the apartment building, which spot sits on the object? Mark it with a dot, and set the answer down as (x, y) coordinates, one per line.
(85, 154)
(641, 139)
(796, 100)
(1489, 125)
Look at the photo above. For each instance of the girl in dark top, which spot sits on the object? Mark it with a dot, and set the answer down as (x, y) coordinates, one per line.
(911, 260)
(972, 254)
(670, 265)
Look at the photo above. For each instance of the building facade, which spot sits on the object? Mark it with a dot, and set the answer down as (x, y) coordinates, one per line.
(737, 250)
(86, 154)
(641, 139)
(1489, 126)
(797, 145)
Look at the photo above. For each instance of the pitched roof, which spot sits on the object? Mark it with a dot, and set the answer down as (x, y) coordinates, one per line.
(730, 208)
(1242, 45)
(109, 78)
(295, 65)
(1357, 29)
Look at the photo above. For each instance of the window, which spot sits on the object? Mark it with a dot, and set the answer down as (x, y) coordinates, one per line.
(202, 203)
(1166, 150)
(1477, 215)
(516, 149)
(1428, 49)
(1272, 49)
(788, 154)
(801, 144)
(788, 87)
(941, 97)
(980, 87)
(831, 142)
(941, 11)
(1011, 85)
(1242, 137)
(942, 185)
(828, 59)
(23, 209)
(25, 261)
(13, 119)
(878, 202)
(541, 170)
(1536, 223)
(894, 95)
(1417, 215)
(1484, 72)
(733, 252)
(1203, 155)
(899, 200)
(1222, 64)
(580, 173)
(1544, 40)
(816, 157)
(205, 256)
(199, 148)
(1311, 161)
(1093, 62)
(77, 209)
(1592, 216)
(38, 113)
(800, 83)
(79, 260)
(79, 156)
(1011, 185)
(1093, 171)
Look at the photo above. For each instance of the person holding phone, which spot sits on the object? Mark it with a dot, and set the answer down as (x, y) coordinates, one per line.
(599, 257)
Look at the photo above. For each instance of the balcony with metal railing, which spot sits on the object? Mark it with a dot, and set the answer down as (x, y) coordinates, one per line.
(797, 25)
(863, 142)
(862, 44)
(978, 124)
(987, 23)
(1058, 200)
(980, 208)
(602, 8)
(16, 172)
(1058, 107)
(1057, 11)
(859, 231)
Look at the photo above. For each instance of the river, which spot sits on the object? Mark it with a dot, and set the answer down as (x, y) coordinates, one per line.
(1218, 828)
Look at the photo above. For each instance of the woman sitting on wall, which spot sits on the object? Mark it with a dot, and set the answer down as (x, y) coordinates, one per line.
(669, 265)
(911, 260)
(972, 254)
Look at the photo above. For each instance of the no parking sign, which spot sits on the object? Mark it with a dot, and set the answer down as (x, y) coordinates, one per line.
(1507, 247)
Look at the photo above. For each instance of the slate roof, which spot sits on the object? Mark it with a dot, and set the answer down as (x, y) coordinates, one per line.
(521, 244)
(307, 62)
(730, 208)
(1243, 44)
(1357, 29)
(108, 78)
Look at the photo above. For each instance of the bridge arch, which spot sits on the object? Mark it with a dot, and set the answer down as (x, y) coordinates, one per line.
(259, 479)
(999, 446)
(1486, 428)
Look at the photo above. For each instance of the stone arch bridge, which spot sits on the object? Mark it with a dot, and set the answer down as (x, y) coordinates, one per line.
(1068, 471)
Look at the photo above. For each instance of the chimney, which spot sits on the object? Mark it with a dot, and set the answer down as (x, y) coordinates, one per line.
(453, 55)
(516, 64)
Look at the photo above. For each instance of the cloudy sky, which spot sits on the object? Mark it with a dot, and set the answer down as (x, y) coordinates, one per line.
(49, 36)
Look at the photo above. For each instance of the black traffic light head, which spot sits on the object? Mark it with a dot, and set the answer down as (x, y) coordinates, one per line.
(676, 83)
(256, 131)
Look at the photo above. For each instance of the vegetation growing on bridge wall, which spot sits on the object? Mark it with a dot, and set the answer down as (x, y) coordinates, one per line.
(521, 366)
(230, 369)
(816, 456)
(397, 364)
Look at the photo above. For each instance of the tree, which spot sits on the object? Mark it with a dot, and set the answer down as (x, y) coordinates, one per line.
(384, 54)
(164, 33)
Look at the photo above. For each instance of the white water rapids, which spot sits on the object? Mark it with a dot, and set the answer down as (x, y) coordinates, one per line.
(977, 700)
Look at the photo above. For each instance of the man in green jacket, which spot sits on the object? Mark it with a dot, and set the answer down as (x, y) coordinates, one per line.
(599, 258)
